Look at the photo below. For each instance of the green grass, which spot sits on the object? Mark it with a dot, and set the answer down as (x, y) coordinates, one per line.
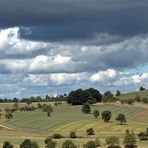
(65, 118)
(132, 95)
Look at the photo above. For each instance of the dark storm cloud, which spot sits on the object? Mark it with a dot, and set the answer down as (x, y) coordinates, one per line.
(75, 19)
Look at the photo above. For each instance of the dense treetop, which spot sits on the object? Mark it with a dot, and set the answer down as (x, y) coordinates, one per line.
(80, 96)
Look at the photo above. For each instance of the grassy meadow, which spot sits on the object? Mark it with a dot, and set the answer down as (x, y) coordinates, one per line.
(37, 125)
(131, 95)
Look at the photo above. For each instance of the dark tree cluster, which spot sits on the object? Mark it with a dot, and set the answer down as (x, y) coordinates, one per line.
(109, 97)
(106, 115)
(27, 143)
(143, 135)
(142, 88)
(128, 101)
(111, 141)
(31, 99)
(80, 96)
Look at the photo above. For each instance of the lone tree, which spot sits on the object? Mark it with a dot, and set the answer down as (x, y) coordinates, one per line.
(130, 140)
(96, 113)
(86, 108)
(68, 144)
(121, 118)
(106, 115)
(7, 144)
(112, 141)
(29, 101)
(72, 134)
(90, 131)
(118, 93)
(142, 88)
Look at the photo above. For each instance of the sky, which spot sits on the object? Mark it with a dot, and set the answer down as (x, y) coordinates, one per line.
(55, 46)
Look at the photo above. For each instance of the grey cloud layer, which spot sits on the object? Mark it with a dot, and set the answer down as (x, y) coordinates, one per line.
(33, 68)
(75, 19)
(65, 57)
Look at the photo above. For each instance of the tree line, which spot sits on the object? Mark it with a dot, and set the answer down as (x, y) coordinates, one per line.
(129, 141)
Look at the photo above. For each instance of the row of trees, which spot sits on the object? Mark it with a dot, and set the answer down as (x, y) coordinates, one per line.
(111, 142)
(91, 95)
(75, 97)
(47, 98)
(106, 115)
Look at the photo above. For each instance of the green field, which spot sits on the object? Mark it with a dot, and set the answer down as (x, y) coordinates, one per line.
(66, 118)
(142, 94)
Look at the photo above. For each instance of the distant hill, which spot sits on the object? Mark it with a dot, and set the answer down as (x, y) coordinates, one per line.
(132, 95)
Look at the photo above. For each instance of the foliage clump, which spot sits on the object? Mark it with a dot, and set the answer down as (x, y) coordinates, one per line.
(90, 131)
(86, 108)
(80, 96)
(121, 118)
(7, 144)
(130, 140)
(27, 143)
(106, 115)
(57, 136)
(68, 144)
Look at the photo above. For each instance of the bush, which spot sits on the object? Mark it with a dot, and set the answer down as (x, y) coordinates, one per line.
(143, 135)
(55, 104)
(72, 134)
(48, 114)
(9, 116)
(86, 108)
(145, 100)
(97, 142)
(96, 113)
(118, 93)
(49, 143)
(7, 144)
(112, 141)
(7, 109)
(123, 101)
(90, 131)
(39, 105)
(90, 144)
(137, 98)
(27, 143)
(47, 108)
(129, 140)
(121, 118)
(68, 144)
(106, 115)
(130, 101)
(142, 88)
(57, 136)
(47, 140)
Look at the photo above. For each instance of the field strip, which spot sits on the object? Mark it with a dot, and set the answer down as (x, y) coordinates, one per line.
(6, 127)
(71, 123)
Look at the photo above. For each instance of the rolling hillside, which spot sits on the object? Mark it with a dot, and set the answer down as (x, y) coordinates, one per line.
(132, 95)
